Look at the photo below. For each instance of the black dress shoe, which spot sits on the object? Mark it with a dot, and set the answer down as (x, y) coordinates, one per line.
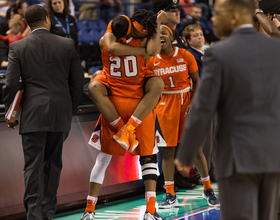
(181, 183)
(195, 179)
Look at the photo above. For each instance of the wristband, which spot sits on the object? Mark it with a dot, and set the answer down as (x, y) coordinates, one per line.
(258, 10)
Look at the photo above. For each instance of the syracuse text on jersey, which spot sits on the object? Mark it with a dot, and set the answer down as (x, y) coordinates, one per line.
(172, 69)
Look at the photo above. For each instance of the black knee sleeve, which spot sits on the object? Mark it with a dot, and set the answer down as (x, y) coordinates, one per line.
(149, 167)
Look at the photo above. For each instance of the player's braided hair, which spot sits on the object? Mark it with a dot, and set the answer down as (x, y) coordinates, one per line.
(147, 19)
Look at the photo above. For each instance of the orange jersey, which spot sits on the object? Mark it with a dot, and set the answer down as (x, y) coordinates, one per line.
(174, 69)
(125, 77)
(109, 27)
(125, 74)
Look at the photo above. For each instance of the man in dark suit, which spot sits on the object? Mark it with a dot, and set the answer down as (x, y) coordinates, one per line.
(52, 80)
(240, 81)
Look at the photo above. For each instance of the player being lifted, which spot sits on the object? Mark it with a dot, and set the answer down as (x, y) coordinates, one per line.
(133, 93)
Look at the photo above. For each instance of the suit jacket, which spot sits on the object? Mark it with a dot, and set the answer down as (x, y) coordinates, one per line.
(52, 80)
(198, 57)
(240, 81)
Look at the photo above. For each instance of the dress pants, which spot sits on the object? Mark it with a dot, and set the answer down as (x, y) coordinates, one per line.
(43, 164)
(249, 196)
(208, 143)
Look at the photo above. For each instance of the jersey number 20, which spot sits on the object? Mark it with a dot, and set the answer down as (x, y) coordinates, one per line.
(129, 66)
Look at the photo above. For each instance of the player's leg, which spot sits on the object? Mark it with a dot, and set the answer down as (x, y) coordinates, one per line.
(153, 89)
(96, 179)
(99, 95)
(168, 172)
(149, 175)
(208, 193)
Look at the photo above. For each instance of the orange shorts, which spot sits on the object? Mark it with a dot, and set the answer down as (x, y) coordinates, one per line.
(102, 137)
(101, 77)
(170, 118)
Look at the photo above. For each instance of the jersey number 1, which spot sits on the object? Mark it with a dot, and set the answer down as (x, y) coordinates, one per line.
(171, 82)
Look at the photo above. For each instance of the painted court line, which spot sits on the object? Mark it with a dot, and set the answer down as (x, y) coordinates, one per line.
(194, 213)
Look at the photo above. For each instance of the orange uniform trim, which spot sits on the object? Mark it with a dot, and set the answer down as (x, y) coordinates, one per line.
(129, 26)
(109, 27)
(140, 27)
(168, 28)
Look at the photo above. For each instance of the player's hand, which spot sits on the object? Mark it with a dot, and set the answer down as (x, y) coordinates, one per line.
(188, 110)
(12, 125)
(161, 16)
(180, 167)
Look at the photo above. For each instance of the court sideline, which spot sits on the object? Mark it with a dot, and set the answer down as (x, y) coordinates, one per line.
(191, 207)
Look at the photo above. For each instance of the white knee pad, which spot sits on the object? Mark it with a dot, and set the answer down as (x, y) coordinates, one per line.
(98, 171)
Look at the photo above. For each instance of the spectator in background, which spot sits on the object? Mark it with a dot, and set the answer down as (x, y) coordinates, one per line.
(15, 26)
(71, 7)
(196, 17)
(109, 8)
(4, 5)
(62, 23)
(42, 3)
(15, 34)
(186, 6)
(17, 8)
(88, 10)
(195, 40)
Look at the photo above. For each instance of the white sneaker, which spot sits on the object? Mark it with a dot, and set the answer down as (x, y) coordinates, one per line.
(155, 216)
(88, 216)
(169, 202)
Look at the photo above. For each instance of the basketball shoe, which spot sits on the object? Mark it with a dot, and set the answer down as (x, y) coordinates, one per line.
(87, 216)
(169, 202)
(133, 143)
(126, 137)
(209, 195)
(155, 216)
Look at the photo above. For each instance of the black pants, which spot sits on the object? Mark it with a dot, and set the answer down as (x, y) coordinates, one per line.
(43, 164)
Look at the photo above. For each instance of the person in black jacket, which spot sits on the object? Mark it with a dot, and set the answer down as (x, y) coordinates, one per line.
(62, 23)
